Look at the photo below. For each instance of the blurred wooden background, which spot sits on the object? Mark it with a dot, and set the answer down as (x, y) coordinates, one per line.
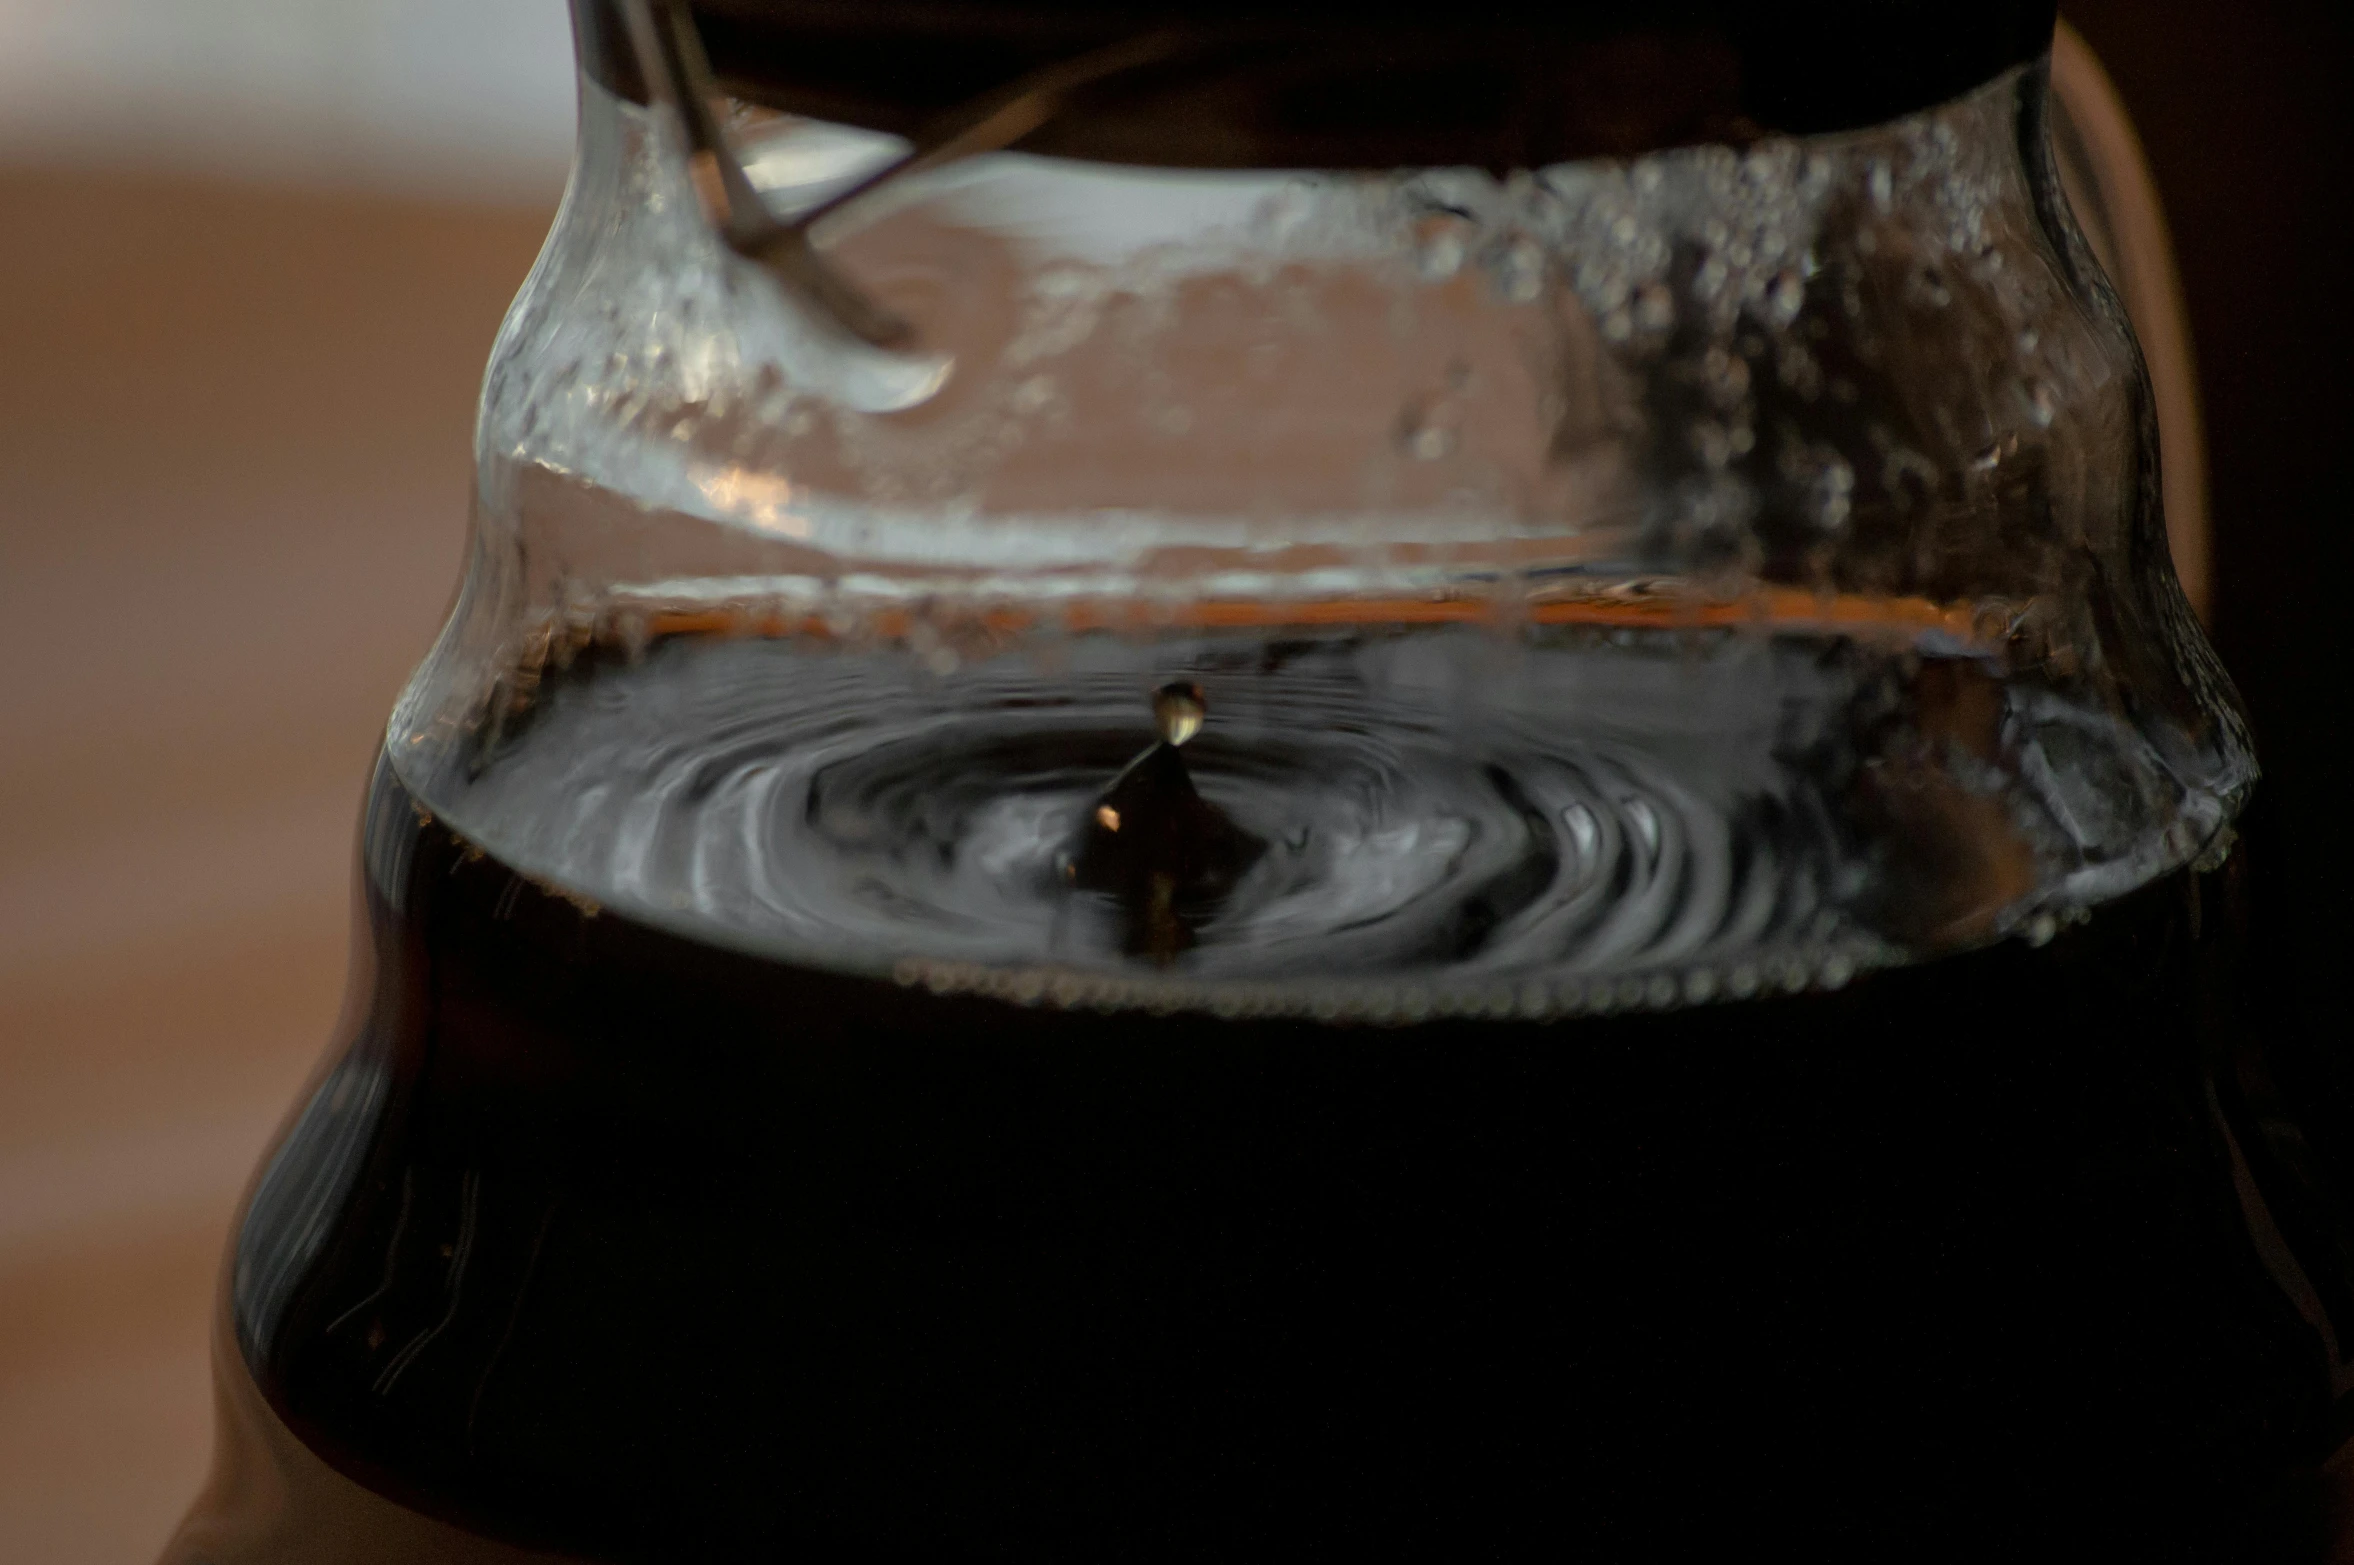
(234, 453)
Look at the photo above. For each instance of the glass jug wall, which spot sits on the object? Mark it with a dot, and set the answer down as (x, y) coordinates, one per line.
(1859, 392)
(1352, 857)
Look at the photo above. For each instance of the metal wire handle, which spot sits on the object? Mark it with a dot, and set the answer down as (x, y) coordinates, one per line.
(671, 57)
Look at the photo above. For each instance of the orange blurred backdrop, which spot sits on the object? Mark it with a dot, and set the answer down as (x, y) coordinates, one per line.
(241, 330)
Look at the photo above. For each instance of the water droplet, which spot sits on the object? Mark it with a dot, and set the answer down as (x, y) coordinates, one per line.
(1623, 228)
(1833, 492)
(1785, 296)
(1179, 710)
(1655, 307)
(1520, 270)
(1423, 435)
(1799, 370)
(1726, 375)
(1441, 240)
(1881, 183)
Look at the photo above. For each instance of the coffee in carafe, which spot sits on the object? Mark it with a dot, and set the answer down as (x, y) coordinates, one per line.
(1214, 786)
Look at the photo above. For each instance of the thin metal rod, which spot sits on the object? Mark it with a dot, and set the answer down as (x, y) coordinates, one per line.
(670, 53)
(1001, 118)
(671, 56)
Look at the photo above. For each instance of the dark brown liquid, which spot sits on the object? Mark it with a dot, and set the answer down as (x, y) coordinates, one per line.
(609, 1241)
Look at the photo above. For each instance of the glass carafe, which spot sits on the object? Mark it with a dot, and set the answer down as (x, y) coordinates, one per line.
(1167, 818)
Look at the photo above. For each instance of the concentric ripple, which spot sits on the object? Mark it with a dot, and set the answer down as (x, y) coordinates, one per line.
(1448, 822)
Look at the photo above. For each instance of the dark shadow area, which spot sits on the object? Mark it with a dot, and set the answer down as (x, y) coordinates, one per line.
(2247, 112)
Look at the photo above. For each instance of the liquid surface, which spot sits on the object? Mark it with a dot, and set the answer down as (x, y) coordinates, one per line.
(1438, 820)
(740, 1228)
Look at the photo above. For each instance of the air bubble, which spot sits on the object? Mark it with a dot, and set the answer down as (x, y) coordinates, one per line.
(1655, 307)
(1441, 241)
(1833, 492)
(1425, 433)
(1520, 270)
(1726, 375)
